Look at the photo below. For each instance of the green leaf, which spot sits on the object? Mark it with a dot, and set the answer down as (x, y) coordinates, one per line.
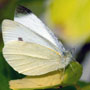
(72, 73)
(83, 85)
(7, 11)
(3, 80)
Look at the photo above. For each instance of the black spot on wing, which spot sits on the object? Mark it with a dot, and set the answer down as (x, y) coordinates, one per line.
(20, 39)
(23, 10)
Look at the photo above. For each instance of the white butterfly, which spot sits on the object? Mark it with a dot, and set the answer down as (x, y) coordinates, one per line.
(30, 47)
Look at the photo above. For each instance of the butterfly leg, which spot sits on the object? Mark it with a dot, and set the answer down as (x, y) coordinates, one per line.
(72, 68)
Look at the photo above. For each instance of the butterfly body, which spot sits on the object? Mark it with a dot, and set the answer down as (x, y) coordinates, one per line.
(30, 47)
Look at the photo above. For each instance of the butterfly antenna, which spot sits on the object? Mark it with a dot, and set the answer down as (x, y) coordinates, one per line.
(73, 59)
(63, 73)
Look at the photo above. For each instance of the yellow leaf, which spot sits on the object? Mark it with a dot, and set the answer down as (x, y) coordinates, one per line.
(72, 17)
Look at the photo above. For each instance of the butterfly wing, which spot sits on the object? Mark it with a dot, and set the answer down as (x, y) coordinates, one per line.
(13, 31)
(30, 58)
(27, 18)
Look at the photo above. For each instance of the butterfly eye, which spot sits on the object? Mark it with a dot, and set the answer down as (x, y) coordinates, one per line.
(20, 39)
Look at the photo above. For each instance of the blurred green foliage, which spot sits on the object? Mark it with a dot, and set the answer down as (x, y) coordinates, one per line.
(37, 6)
(3, 79)
(8, 8)
(64, 88)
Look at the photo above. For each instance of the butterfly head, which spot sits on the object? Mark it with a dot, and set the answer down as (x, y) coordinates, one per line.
(66, 58)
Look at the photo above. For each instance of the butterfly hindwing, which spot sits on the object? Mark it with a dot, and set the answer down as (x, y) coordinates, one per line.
(30, 58)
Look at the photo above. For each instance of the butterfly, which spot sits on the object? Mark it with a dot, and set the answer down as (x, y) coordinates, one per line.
(30, 47)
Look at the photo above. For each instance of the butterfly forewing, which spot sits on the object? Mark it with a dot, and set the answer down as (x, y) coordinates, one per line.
(27, 18)
(13, 31)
